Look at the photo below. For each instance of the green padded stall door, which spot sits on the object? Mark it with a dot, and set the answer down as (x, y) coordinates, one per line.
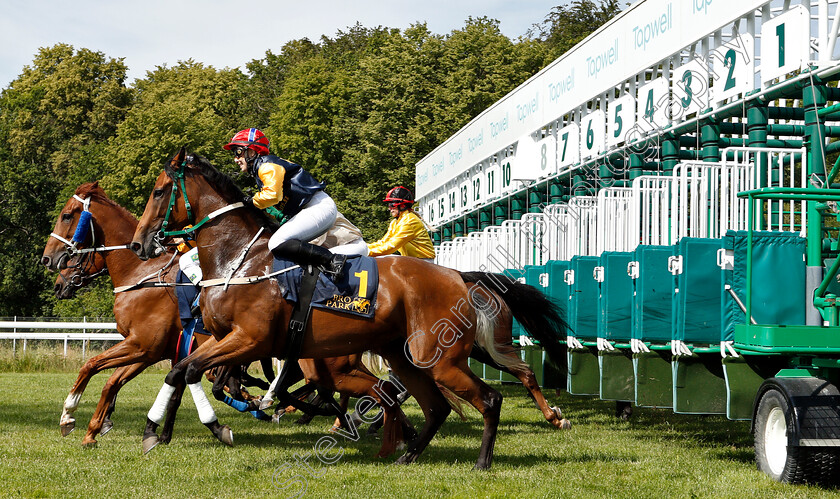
(698, 292)
(616, 297)
(654, 290)
(654, 385)
(774, 300)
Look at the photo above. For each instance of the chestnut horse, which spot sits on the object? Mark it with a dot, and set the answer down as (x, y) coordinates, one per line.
(147, 317)
(423, 324)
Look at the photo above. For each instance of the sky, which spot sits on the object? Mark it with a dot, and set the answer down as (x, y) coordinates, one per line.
(148, 33)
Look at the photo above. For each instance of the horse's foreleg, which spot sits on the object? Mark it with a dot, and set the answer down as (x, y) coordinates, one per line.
(172, 410)
(236, 348)
(126, 352)
(106, 402)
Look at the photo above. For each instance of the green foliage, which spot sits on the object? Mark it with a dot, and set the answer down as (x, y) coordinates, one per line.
(187, 105)
(95, 301)
(567, 25)
(54, 119)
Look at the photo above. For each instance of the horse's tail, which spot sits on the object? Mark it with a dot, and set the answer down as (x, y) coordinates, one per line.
(535, 312)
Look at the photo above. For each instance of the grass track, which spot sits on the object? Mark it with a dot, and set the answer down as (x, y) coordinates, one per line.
(657, 454)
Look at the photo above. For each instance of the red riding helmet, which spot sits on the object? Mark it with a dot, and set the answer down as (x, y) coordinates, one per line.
(399, 197)
(252, 138)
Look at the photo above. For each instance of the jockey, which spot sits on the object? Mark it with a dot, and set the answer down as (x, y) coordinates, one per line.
(406, 233)
(309, 211)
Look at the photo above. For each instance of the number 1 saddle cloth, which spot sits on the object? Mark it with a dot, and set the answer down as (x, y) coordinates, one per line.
(354, 293)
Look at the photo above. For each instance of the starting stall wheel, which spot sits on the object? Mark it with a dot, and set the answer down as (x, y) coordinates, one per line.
(795, 430)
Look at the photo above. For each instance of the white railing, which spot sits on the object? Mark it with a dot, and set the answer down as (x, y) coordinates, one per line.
(62, 331)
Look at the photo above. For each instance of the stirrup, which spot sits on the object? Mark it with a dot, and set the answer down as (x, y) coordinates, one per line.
(336, 266)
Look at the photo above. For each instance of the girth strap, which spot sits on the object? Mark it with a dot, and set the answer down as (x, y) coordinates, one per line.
(301, 312)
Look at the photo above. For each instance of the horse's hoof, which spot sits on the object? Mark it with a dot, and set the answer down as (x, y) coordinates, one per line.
(265, 403)
(149, 443)
(107, 426)
(275, 418)
(565, 424)
(556, 410)
(89, 444)
(406, 459)
(482, 466)
(67, 428)
(226, 435)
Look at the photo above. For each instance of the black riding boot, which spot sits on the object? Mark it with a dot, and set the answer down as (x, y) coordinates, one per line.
(309, 254)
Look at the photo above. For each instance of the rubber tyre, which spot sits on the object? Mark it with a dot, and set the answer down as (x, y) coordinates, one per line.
(773, 425)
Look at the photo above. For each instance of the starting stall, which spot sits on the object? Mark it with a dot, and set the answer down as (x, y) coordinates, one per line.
(669, 183)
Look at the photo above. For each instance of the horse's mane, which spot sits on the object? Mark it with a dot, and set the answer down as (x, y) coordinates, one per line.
(225, 186)
(92, 190)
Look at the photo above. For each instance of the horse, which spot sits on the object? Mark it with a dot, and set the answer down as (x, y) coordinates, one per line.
(423, 324)
(153, 337)
(147, 318)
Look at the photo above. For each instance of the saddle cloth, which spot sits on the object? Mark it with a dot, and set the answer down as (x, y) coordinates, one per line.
(355, 293)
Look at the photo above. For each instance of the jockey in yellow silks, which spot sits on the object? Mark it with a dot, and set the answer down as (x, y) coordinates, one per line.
(407, 234)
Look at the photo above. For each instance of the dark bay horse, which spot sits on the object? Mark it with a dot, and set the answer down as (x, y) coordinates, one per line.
(426, 320)
(147, 317)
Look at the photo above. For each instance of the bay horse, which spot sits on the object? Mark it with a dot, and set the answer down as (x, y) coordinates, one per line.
(423, 325)
(147, 317)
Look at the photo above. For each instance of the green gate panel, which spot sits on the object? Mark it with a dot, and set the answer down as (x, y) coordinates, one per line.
(584, 372)
(518, 274)
(476, 367)
(533, 356)
(558, 290)
(699, 385)
(697, 292)
(532, 274)
(583, 305)
(744, 376)
(654, 291)
(654, 385)
(774, 300)
(617, 376)
(491, 373)
(616, 297)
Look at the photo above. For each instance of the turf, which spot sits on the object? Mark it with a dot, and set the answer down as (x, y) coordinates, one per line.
(656, 454)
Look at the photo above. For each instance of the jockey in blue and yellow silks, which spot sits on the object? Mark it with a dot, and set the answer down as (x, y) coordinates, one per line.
(309, 211)
(407, 233)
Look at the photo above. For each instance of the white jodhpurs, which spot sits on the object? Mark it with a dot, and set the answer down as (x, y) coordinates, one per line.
(316, 217)
(357, 247)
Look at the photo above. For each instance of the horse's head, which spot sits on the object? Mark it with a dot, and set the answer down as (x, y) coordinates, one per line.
(68, 234)
(164, 209)
(74, 230)
(189, 192)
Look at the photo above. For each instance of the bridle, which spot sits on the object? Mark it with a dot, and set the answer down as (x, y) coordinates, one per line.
(178, 179)
(85, 266)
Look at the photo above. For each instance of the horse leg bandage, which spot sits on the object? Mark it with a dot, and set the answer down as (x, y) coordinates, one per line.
(159, 407)
(202, 404)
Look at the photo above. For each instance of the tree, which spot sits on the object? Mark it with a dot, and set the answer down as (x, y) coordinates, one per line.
(567, 25)
(188, 105)
(54, 119)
